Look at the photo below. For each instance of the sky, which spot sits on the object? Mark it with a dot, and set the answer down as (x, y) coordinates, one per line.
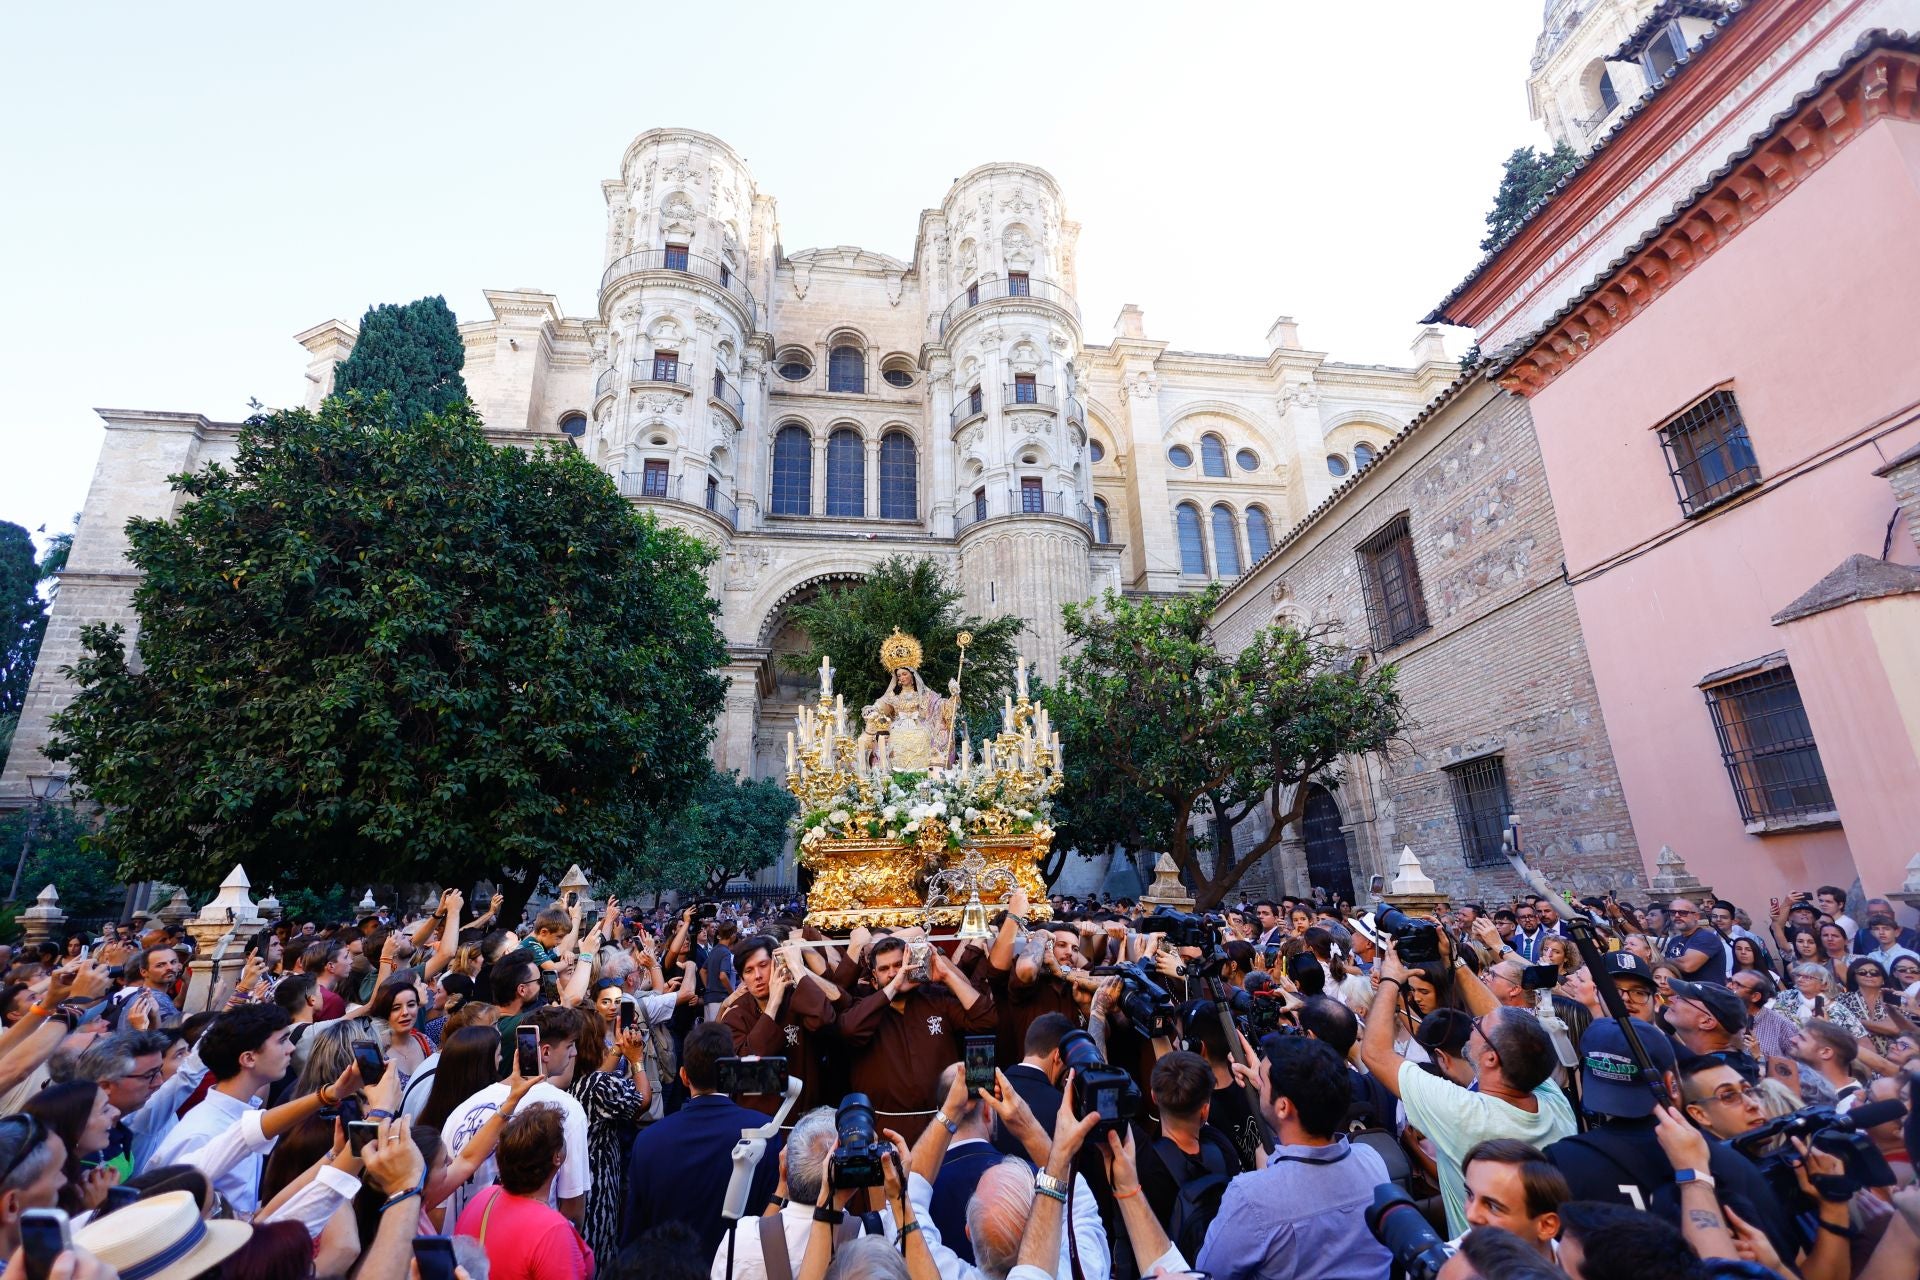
(184, 187)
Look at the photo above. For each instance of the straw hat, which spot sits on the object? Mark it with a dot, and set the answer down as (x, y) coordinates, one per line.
(161, 1238)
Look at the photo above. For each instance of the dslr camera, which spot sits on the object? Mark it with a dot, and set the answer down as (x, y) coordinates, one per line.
(857, 1154)
(1415, 941)
(1098, 1089)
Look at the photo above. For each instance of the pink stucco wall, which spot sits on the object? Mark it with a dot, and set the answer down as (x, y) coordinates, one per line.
(1808, 313)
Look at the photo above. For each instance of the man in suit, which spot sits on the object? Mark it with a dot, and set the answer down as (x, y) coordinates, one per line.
(970, 1153)
(1036, 1077)
(679, 1167)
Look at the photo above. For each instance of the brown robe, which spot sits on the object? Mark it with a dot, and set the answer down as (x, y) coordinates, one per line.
(793, 1036)
(898, 1054)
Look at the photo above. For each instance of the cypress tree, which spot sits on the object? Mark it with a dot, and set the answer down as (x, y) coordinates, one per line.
(413, 352)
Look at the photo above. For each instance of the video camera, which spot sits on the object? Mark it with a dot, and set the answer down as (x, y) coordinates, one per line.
(1144, 1001)
(1266, 1011)
(1098, 1089)
(1839, 1135)
(1414, 941)
(1396, 1222)
(1184, 928)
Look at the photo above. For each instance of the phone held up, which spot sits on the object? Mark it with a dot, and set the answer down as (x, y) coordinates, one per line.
(434, 1255)
(526, 1043)
(752, 1075)
(366, 1056)
(360, 1133)
(629, 1013)
(43, 1237)
(979, 1064)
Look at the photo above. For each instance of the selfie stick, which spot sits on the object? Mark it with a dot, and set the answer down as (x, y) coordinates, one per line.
(746, 1158)
(1581, 930)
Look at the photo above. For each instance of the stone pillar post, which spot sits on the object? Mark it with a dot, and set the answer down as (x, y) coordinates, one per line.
(1167, 890)
(216, 932)
(1903, 473)
(1671, 880)
(42, 921)
(1413, 890)
(176, 910)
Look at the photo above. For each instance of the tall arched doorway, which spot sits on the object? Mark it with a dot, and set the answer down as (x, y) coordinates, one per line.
(1327, 865)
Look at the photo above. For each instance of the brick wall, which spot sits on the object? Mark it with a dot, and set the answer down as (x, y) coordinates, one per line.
(1500, 669)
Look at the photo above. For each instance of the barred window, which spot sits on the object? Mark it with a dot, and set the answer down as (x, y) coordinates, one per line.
(846, 473)
(1709, 454)
(1102, 521)
(1018, 285)
(846, 370)
(1480, 808)
(1396, 610)
(1767, 745)
(1193, 544)
(1226, 542)
(1033, 496)
(792, 472)
(899, 477)
(1259, 533)
(1213, 456)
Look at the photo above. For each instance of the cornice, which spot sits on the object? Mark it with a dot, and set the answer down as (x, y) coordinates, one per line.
(165, 420)
(1880, 80)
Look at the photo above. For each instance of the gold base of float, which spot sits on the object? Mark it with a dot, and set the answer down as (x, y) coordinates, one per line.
(880, 884)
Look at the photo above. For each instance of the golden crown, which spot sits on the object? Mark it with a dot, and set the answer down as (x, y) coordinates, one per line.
(899, 650)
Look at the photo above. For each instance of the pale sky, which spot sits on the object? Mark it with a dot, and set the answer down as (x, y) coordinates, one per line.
(188, 185)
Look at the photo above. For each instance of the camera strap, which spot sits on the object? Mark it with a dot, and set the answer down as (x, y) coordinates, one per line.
(773, 1242)
(1073, 1238)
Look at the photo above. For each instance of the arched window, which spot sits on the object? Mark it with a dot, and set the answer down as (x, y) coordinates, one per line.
(1213, 456)
(1259, 535)
(574, 424)
(1226, 543)
(846, 473)
(846, 370)
(899, 477)
(1102, 521)
(1336, 464)
(792, 472)
(1193, 544)
(1362, 455)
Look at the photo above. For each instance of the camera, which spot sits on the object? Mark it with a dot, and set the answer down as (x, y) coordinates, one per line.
(1182, 928)
(857, 1153)
(1396, 1222)
(1414, 941)
(1098, 1089)
(1145, 1002)
(739, 1076)
(1266, 1011)
(705, 911)
(1838, 1135)
(1540, 977)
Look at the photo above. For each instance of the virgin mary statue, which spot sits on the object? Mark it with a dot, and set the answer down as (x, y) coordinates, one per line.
(914, 723)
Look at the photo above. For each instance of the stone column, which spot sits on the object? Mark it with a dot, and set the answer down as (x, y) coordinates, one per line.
(41, 922)
(871, 495)
(1167, 890)
(1300, 423)
(217, 932)
(1671, 880)
(817, 498)
(1413, 890)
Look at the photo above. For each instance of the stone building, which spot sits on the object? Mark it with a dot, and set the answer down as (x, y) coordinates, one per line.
(1443, 558)
(812, 412)
(1596, 58)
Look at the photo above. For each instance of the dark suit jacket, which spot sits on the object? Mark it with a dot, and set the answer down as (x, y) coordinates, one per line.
(1042, 1098)
(959, 1174)
(679, 1169)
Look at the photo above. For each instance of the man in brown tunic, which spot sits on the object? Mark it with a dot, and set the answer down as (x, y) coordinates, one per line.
(777, 1011)
(905, 1033)
(1032, 974)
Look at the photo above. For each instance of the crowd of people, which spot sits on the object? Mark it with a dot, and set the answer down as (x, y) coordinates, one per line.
(1099, 1091)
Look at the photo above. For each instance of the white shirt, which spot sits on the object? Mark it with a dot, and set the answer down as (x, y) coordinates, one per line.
(749, 1263)
(1096, 1261)
(574, 1177)
(312, 1205)
(419, 1088)
(219, 1116)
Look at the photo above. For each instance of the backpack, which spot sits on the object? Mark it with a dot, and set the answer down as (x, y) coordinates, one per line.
(1197, 1201)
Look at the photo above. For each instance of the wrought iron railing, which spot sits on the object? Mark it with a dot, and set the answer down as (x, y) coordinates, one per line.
(699, 265)
(1039, 395)
(1022, 501)
(658, 486)
(729, 396)
(676, 374)
(603, 385)
(971, 405)
(1076, 412)
(981, 292)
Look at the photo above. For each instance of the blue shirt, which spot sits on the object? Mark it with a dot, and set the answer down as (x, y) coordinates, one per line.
(680, 1166)
(1303, 1217)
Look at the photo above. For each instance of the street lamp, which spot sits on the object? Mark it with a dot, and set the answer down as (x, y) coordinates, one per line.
(46, 788)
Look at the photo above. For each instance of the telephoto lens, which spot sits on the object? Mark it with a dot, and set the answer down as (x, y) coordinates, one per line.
(856, 1156)
(1098, 1089)
(1414, 941)
(1396, 1222)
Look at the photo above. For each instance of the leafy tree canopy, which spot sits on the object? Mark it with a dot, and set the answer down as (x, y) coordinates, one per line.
(1168, 728)
(848, 623)
(729, 827)
(390, 653)
(23, 615)
(411, 351)
(63, 853)
(1529, 176)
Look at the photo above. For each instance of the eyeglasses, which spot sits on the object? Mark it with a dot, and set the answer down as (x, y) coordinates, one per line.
(1729, 1094)
(1679, 912)
(151, 1076)
(24, 1130)
(1488, 1041)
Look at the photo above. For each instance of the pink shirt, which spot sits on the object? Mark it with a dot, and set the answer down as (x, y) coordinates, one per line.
(525, 1239)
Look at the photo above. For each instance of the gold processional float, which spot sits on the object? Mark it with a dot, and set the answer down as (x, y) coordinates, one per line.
(900, 825)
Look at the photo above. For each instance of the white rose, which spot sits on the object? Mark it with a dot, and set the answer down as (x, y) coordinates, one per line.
(838, 817)
(940, 807)
(911, 827)
(973, 815)
(890, 812)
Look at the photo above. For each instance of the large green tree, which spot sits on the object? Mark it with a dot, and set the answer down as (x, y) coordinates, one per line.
(64, 853)
(389, 653)
(848, 624)
(412, 351)
(23, 618)
(1171, 733)
(729, 827)
(1528, 178)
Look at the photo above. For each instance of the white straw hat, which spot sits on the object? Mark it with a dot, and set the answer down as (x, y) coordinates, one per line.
(161, 1238)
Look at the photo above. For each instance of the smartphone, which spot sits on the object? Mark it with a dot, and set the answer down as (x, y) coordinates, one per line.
(366, 1055)
(573, 897)
(629, 1013)
(979, 1060)
(43, 1237)
(352, 1109)
(434, 1255)
(1539, 977)
(118, 1197)
(526, 1043)
(360, 1133)
(752, 1075)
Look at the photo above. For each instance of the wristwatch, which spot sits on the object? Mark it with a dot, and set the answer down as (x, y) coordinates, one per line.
(1684, 1176)
(953, 1126)
(1048, 1185)
(831, 1217)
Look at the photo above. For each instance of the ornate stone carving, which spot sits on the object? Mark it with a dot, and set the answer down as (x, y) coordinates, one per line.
(678, 206)
(660, 402)
(729, 247)
(1017, 203)
(1017, 245)
(706, 320)
(1140, 385)
(722, 425)
(745, 565)
(1303, 394)
(1058, 342)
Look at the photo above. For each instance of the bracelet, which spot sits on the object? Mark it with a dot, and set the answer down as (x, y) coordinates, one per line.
(1061, 1196)
(325, 1101)
(905, 1229)
(831, 1217)
(39, 1011)
(1126, 1195)
(406, 1195)
(1395, 981)
(380, 1113)
(778, 1202)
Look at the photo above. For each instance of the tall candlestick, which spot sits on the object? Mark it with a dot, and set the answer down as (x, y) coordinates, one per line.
(1006, 715)
(826, 675)
(839, 715)
(886, 757)
(789, 752)
(1059, 759)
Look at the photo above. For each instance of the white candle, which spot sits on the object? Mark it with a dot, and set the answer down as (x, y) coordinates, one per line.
(886, 756)
(826, 675)
(789, 752)
(1006, 715)
(986, 756)
(839, 715)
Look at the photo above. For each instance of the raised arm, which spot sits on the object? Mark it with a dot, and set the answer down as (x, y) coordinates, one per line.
(1376, 1041)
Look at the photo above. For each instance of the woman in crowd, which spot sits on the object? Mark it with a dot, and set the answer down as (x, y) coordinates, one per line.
(1750, 956)
(469, 1062)
(1814, 994)
(1866, 1000)
(616, 1104)
(79, 1112)
(523, 1236)
(395, 1011)
(1349, 988)
(329, 1051)
(450, 991)
(1836, 951)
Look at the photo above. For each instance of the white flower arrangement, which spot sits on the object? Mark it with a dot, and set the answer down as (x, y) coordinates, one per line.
(923, 798)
